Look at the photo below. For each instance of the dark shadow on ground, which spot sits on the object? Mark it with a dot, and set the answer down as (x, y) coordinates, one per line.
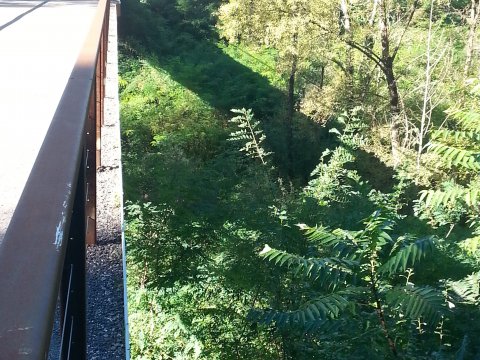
(186, 47)
(378, 174)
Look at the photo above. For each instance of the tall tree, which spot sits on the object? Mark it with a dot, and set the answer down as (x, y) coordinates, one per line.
(303, 30)
(384, 59)
(289, 27)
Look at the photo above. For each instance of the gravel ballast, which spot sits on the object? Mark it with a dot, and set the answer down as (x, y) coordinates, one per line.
(105, 312)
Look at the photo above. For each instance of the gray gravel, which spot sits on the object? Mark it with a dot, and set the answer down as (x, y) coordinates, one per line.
(105, 312)
(105, 303)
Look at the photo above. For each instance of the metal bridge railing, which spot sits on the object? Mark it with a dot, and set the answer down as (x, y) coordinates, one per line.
(42, 256)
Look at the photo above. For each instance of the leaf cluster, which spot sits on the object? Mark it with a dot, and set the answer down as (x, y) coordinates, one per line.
(457, 147)
(250, 134)
(362, 267)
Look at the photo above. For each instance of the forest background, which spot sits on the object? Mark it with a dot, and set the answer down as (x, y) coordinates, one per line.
(301, 178)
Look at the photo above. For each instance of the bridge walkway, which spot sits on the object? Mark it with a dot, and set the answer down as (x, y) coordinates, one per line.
(39, 45)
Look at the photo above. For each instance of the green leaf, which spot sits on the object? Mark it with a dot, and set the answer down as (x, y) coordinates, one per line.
(328, 271)
(467, 289)
(407, 255)
(425, 303)
(321, 308)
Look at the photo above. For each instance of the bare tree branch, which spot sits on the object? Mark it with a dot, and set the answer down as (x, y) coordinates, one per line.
(367, 52)
(412, 12)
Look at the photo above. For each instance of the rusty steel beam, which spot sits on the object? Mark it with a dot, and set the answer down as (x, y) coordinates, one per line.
(96, 120)
(91, 139)
(32, 254)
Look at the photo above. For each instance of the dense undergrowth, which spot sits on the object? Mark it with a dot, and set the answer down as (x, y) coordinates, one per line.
(372, 274)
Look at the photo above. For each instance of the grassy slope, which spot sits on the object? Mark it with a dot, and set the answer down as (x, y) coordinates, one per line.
(195, 276)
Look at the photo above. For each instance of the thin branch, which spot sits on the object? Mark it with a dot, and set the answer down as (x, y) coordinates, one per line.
(338, 63)
(379, 309)
(368, 53)
(314, 22)
(374, 12)
(427, 92)
(412, 12)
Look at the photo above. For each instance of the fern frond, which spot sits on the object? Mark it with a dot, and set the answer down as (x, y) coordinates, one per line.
(424, 303)
(456, 136)
(374, 236)
(331, 270)
(468, 289)
(323, 236)
(408, 255)
(466, 119)
(324, 307)
(376, 223)
(319, 309)
(433, 198)
(327, 326)
(249, 135)
(457, 146)
(452, 155)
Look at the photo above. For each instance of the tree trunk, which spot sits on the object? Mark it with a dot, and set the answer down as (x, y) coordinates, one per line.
(392, 89)
(345, 22)
(345, 16)
(290, 113)
(380, 313)
(387, 68)
(385, 62)
(395, 121)
(473, 22)
(322, 76)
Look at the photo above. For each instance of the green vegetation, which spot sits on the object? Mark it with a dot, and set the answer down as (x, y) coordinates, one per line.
(301, 178)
